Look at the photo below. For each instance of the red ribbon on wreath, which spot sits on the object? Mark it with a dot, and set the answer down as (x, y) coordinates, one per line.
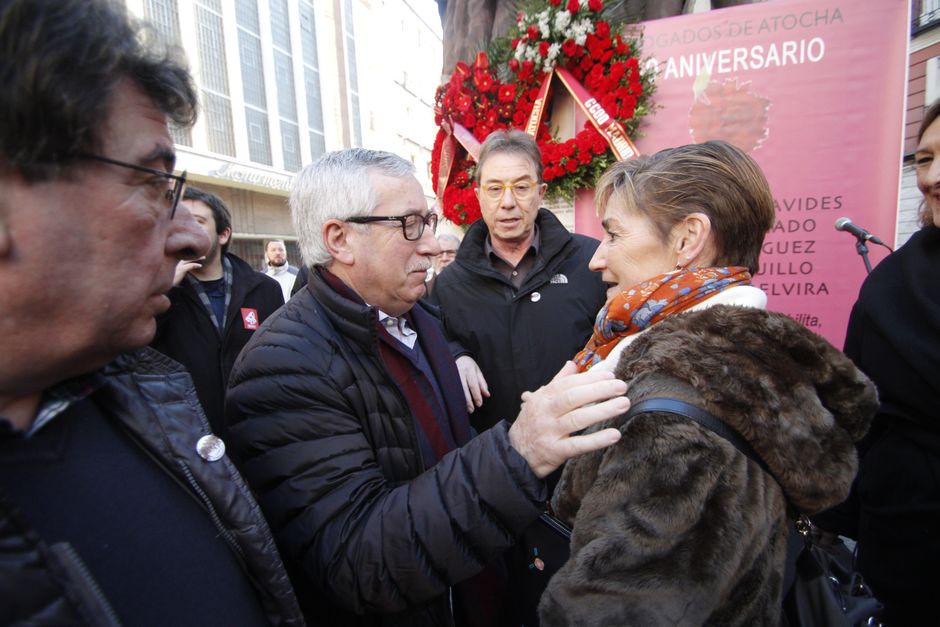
(609, 128)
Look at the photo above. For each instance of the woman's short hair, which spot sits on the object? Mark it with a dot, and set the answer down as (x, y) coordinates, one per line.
(510, 142)
(714, 178)
(338, 186)
(924, 215)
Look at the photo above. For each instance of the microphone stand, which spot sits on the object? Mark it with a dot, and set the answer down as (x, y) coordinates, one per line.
(862, 249)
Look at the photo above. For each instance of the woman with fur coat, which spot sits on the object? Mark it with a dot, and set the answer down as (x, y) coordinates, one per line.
(673, 525)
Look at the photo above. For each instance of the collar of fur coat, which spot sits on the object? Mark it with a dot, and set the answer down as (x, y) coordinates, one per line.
(796, 399)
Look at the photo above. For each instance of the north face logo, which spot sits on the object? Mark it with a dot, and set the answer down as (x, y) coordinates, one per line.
(559, 278)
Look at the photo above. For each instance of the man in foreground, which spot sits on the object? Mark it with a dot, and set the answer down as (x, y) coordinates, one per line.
(347, 416)
(115, 503)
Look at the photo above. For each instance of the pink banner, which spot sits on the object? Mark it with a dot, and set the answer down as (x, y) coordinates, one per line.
(814, 90)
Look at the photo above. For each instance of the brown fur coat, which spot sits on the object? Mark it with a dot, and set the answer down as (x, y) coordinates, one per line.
(673, 525)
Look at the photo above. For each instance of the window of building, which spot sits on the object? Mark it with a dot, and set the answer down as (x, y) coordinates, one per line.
(246, 15)
(216, 105)
(929, 12)
(218, 115)
(163, 15)
(259, 142)
(932, 83)
(352, 72)
(286, 96)
(290, 142)
(308, 39)
(280, 24)
(249, 51)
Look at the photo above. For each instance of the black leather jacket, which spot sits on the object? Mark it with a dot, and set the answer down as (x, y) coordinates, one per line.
(154, 399)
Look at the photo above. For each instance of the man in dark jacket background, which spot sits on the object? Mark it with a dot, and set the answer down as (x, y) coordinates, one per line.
(519, 297)
(116, 504)
(347, 416)
(215, 307)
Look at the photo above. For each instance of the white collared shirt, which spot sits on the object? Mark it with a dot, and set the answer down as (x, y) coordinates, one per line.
(398, 328)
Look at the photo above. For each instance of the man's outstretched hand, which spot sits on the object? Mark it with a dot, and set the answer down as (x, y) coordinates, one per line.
(544, 432)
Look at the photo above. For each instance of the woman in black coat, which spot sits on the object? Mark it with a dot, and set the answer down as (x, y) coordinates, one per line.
(894, 337)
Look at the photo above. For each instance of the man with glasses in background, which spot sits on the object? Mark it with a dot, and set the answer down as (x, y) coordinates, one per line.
(346, 414)
(116, 505)
(449, 245)
(519, 298)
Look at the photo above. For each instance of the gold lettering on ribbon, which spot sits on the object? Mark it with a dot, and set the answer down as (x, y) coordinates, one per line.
(538, 107)
(606, 125)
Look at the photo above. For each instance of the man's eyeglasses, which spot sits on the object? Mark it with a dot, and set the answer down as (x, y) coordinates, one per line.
(521, 190)
(169, 195)
(412, 225)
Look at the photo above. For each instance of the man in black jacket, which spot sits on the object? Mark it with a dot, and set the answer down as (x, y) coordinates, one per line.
(347, 416)
(215, 307)
(116, 503)
(519, 299)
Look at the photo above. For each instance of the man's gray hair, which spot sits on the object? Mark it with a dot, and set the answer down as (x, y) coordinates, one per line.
(338, 186)
(449, 236)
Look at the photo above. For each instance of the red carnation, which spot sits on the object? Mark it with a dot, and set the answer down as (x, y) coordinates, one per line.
(543, 48)
(571, 165)
(514, 65)
(554, 3)
(595, 5)
(469, 120)
(514, 43)
(507, 92)
(569, 48)
(584, 157)
(602, 30)
(533, 31)
(573, 6)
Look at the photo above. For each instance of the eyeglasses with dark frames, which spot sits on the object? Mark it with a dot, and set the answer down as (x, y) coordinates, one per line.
(171, 195)
(412, 224)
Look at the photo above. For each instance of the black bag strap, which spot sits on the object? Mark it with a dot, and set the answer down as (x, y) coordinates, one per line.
(704, 418)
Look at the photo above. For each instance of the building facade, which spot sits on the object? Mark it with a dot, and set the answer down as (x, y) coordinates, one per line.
(283, 81)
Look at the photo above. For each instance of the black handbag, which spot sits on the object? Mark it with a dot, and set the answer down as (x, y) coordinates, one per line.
(821, 587)
(825, 589)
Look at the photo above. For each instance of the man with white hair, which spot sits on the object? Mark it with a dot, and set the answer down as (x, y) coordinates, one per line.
(348, 418)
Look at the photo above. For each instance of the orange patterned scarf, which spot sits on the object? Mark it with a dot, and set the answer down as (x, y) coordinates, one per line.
(646, 303)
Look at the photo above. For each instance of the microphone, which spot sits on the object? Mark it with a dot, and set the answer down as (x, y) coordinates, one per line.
(844, 224)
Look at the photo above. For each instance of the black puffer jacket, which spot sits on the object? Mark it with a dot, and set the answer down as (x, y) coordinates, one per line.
(327, 441)
(520, 339)
(154, 399)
